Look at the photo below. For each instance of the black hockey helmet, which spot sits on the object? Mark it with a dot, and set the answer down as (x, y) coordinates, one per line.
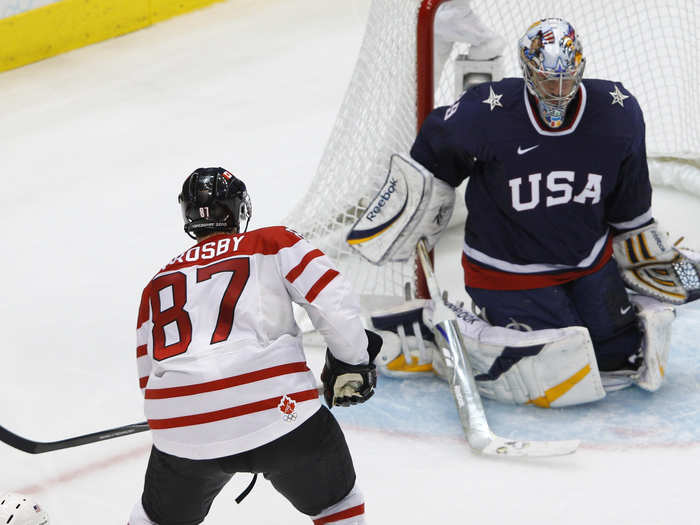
(214, 200)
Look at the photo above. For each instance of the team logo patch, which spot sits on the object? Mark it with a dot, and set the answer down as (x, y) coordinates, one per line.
(494, 100)
(288, 409)
(618, 97)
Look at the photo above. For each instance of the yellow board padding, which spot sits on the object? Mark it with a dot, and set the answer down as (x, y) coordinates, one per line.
(164, 9)
(70, 24)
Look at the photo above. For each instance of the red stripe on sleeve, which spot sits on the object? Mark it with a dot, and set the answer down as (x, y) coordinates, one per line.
(342, 515)
(141, 351)
(320, 284)
(143, 381)
(299, 268)
(228, 382)
(228, 413)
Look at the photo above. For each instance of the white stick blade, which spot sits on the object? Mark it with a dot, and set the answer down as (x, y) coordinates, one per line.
(512, 448)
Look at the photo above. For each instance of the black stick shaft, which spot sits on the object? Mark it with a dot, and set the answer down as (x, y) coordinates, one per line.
(38, 447)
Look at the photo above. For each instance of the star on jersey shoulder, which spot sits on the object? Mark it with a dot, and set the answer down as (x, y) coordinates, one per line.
(618, 97)
(493, 100)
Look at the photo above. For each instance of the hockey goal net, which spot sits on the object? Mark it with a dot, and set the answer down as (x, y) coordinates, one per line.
(650, 46)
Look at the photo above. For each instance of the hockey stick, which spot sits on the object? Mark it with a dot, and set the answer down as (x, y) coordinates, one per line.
(38, 447)
(464, 389)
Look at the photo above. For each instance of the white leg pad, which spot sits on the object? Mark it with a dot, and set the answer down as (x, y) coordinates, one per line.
(655, 319)
(407, 357)
(546, 368)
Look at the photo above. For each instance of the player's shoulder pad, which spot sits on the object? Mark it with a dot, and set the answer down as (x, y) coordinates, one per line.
(613, 110)
(487, 100)
(277, 236)
(612, 98)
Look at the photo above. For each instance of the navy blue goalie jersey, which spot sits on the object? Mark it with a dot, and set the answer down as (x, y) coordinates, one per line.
(542, 203)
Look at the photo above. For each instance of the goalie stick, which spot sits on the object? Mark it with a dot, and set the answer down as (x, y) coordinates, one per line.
(464, 389)
(38, 447)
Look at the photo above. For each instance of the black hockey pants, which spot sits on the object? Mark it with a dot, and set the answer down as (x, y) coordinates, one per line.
(311, 467)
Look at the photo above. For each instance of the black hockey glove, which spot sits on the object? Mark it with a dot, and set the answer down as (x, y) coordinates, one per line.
(344, 384)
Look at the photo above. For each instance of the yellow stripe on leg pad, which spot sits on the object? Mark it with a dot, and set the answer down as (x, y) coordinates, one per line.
(554, 393)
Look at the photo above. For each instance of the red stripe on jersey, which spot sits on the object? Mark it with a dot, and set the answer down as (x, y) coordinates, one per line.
(320, 285)
(228, 413)
(141, 351)
(479, 277)
(299, 268)
(342, 515)
(143, 381)
(228, 382)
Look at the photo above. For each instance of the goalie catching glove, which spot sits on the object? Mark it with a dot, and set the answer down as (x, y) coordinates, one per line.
(652, 266)
(345, 384)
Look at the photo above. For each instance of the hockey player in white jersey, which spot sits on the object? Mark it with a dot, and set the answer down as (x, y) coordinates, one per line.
(222, 368)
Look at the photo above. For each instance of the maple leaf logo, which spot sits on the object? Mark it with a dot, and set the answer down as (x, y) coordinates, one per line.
(287, 406)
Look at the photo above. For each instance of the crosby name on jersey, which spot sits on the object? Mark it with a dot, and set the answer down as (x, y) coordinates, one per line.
(235, 366)
(541, 207)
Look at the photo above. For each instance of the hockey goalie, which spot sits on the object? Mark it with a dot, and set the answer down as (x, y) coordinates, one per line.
(573, 282)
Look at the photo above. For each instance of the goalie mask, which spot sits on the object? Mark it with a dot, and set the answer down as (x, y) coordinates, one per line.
(552, 61)
(214, 200)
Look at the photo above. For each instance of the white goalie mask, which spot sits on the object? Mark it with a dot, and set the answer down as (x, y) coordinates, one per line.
(21, 510)
(552, 61)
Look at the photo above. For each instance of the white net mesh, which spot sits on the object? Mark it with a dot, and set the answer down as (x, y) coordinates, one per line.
(650, 46)
(377, 118)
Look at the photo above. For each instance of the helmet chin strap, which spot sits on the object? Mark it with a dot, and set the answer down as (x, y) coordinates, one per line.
(192, 227)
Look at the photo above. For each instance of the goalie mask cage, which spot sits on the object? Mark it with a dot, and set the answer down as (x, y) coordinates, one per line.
(650, 46)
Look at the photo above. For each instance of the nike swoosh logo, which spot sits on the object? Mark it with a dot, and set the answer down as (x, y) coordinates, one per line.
(523, 151)
(623, 311)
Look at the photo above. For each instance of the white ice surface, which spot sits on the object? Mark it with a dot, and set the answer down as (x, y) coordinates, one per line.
(94, 146)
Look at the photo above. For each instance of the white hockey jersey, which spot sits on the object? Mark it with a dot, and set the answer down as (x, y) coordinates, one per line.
(219, 354)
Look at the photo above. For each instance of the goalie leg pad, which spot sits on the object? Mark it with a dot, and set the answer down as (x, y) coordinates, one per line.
(408, 344)
(405, 358)
(655, 319)
(545, 368)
